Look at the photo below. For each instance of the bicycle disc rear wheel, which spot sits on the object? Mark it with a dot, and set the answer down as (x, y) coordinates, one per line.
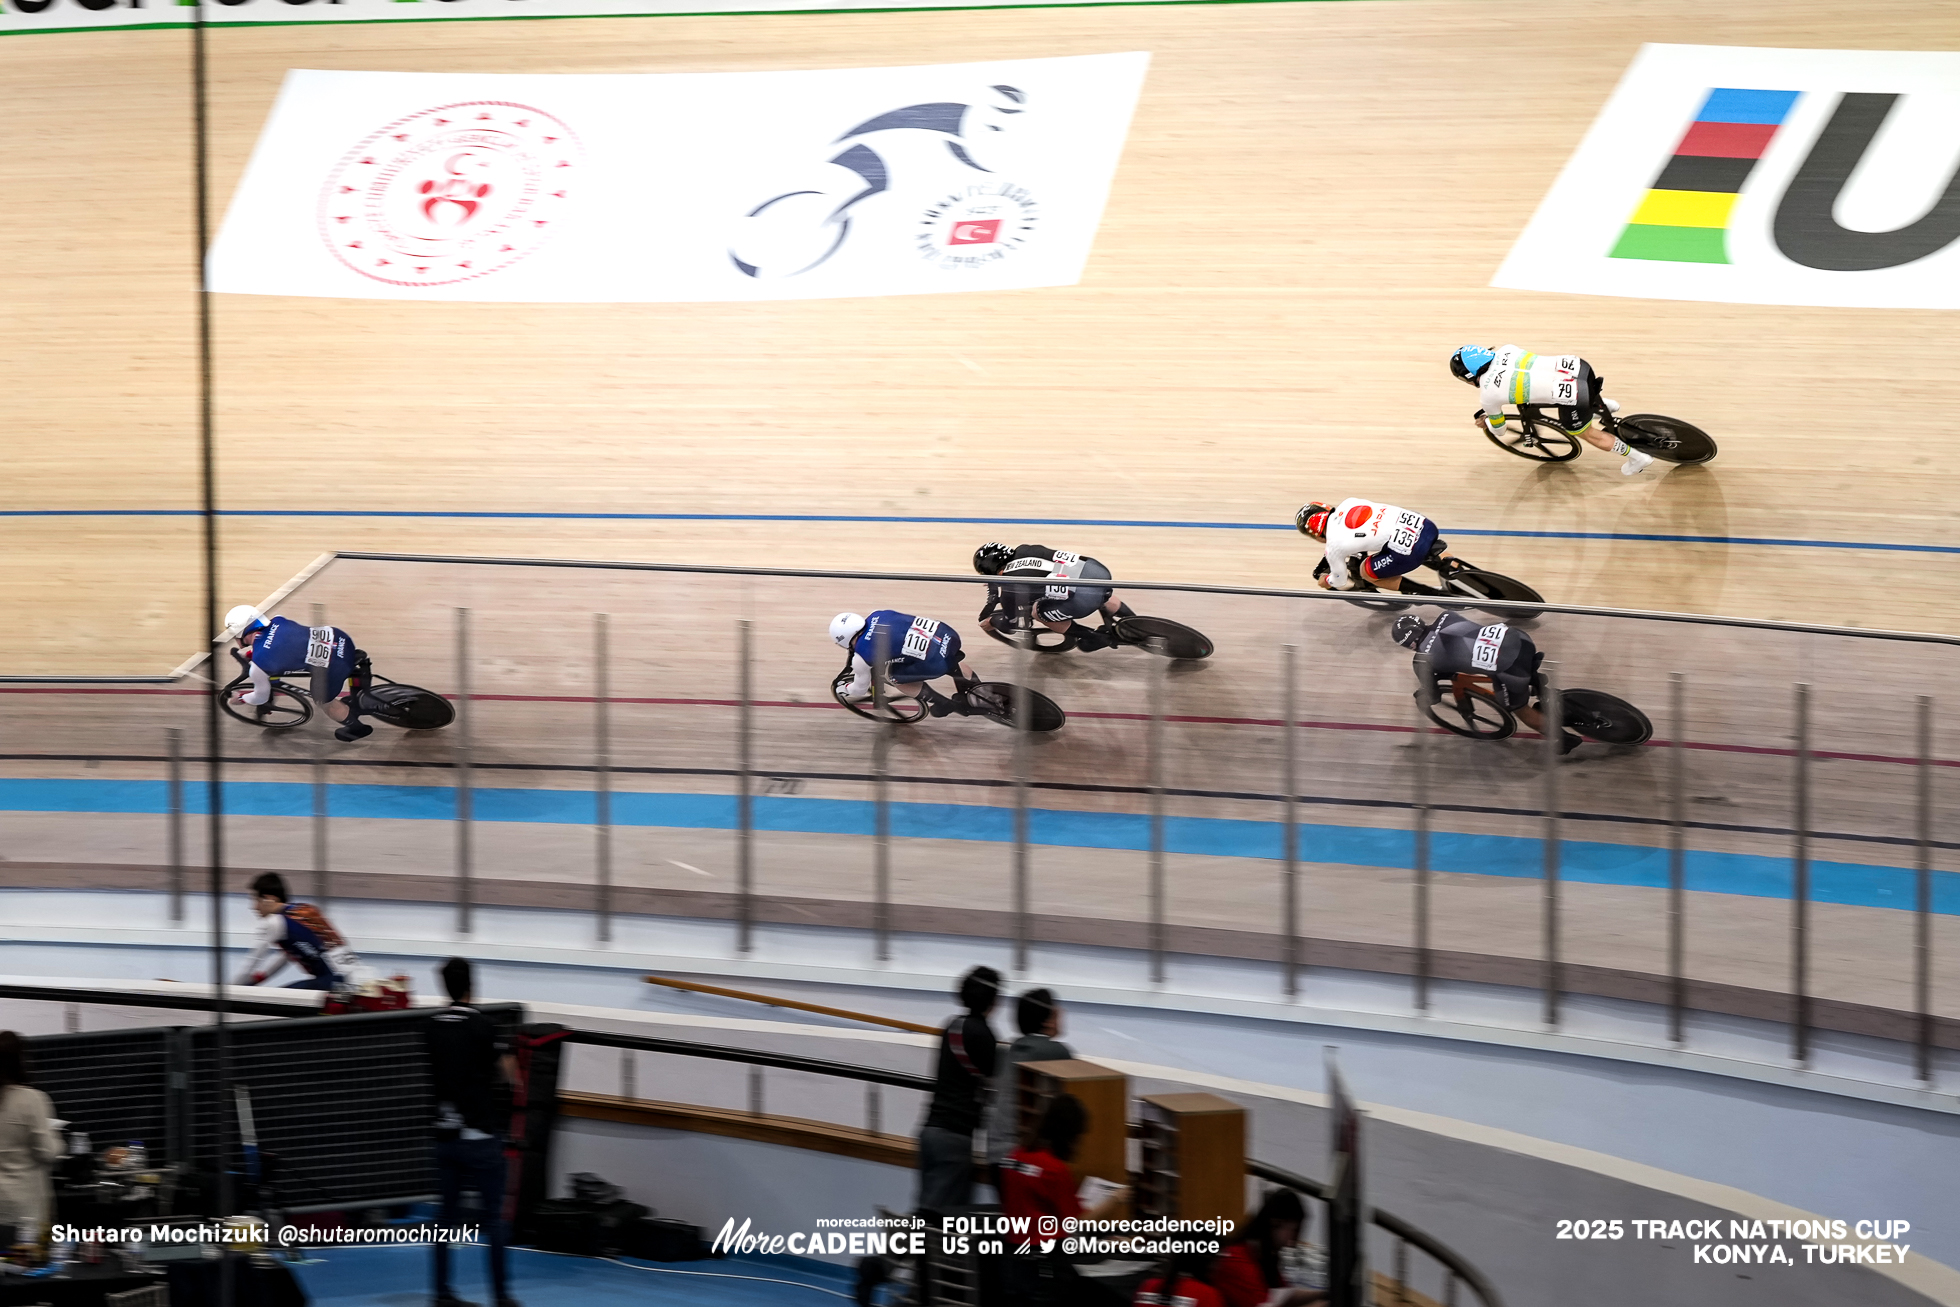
(1470, 712)
(1534, 437)
(1479, 584)
(286, 708)
(902, 710)
(410, 707)
(1669, 439)
(995, 700)
(1604, 718)
(1160, 635)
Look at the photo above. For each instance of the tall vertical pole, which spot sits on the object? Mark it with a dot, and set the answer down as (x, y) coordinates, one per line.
(174, 833)
(322, 874)
(602, 773)
(744, 796)
(1289, 737)
(1023, 748)
(1800, 887)
(1554, 729)
(1157, 823)
(465, 794)
(1425, 680)
(1922, 941)
(1677, 861)
(881, 806)
(214, 765)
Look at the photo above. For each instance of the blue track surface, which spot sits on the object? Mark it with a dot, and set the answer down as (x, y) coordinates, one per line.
(1583, 861)
(1173, 525)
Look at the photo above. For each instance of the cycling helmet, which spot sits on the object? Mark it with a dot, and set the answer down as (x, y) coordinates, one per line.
(243, 620)
(989, 558)
(844, 629)
(1409, 630)
(1312, 520)
(1468, 363)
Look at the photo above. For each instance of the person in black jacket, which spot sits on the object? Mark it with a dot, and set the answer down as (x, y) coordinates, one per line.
(466, 1060)
(967, 1060)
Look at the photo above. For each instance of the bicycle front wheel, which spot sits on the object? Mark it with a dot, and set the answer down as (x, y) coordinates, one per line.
(1038, 638)
(1537, 438)
(902, 710)
(286, 708)
(1471, 712)
(995, 700)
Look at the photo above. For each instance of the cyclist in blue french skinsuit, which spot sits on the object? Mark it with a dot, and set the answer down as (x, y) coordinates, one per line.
(914, 650)
(279, 646)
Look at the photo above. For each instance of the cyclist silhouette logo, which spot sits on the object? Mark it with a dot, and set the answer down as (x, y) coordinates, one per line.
(450, 193)
(921, 146)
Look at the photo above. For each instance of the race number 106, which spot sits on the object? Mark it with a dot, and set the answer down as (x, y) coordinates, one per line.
(1591, 1230)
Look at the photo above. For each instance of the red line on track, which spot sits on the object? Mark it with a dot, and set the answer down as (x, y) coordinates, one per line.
(1825, 754)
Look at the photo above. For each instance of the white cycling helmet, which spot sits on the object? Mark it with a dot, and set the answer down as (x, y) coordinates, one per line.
(844, 629)
(242, 619)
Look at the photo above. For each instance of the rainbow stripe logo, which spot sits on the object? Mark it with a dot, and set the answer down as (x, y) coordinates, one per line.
(1685, 215)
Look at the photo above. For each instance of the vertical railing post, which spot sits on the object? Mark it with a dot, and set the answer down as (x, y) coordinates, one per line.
(1419, 757)
(1023, 746)
(881, 805)
(174, 832)
(1800, 887)
(602, 775)
(744, 794)
(1289, 735)
(1554, 721)
(1922, 942)
(322, 871)
(1677, 860)
(465, 796)
(1156, 748)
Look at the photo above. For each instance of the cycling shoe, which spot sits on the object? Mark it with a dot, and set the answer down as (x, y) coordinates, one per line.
(353, 731)
(1100, 638)
(1567, 742)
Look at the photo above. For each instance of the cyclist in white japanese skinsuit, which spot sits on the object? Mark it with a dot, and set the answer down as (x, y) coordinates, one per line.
(1511, 374)
(1376, 543)
(912, 651)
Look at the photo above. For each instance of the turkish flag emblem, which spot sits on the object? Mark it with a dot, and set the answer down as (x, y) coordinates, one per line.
(975, 233)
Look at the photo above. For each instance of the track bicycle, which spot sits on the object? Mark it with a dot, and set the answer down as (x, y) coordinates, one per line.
(1158, 635)
(1535, 432)
(994, 700)
(1466, 704)
(409, 707)
(1466, 582)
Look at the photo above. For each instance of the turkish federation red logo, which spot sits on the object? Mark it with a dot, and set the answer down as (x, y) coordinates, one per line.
(451, 193)
(974, 233)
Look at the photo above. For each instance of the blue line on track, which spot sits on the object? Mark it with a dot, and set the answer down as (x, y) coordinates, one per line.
(1590, 862)
(1165, 524)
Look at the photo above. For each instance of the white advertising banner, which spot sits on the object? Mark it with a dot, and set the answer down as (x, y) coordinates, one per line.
(1760, 176)
(688, 186)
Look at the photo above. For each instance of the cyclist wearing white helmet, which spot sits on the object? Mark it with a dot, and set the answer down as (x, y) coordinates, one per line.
(279, 646)
(912, 650)
(1511, 374)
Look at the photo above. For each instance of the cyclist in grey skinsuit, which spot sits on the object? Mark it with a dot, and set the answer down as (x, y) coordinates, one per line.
(1055, 606)
(1455, 645)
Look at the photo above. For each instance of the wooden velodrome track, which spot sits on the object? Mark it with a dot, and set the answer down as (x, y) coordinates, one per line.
(1310, 205)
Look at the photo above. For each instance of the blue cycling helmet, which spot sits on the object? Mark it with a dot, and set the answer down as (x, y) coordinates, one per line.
(1468, 363)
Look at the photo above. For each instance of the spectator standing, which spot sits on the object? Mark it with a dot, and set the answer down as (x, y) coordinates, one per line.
(968, 1053)
(466, 1060)
(1039, 1018)
(28, 1146)
(1248, 1272)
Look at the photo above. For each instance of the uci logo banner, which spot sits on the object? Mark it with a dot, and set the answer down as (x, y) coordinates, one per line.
(1757, 176)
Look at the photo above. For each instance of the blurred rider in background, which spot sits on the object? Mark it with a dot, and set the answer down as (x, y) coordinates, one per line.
(297, 933)
(1513, 375)
(1056, 606)
(279, 646)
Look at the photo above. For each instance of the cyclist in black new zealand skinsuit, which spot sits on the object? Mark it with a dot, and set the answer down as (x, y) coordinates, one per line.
(1454, 645)
(1055, 605)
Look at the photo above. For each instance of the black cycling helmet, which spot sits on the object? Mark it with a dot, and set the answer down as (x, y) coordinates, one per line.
(1469, 362)
(1409, 630)
(989, 558)
(1312, 520)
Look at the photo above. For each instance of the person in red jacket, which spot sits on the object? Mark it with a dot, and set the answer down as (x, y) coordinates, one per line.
(1184, 1283)
(1036, 1182)
(1247, 1273)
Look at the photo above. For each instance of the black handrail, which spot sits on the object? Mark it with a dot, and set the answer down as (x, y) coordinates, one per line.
(1395, 1225)
(754, 1057)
